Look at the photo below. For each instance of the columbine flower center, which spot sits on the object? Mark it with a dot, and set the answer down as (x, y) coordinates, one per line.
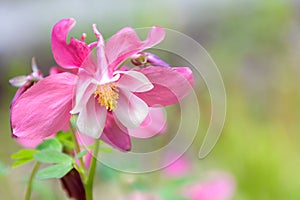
(107, 95)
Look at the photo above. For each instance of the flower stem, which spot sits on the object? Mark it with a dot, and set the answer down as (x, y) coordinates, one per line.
(90, 178)
(77, 150)
(29, 185)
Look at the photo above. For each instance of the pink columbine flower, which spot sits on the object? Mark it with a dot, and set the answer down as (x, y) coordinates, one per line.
(122, 94)
(107, 99)
(108, 89)
(111, 90)
(122, 45)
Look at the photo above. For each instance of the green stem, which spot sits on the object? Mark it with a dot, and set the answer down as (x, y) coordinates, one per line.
(77, 150)
(90, 179)
(29, 185)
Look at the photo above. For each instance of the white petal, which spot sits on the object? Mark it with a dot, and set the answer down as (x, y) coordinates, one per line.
(131, 110)
(84, 91)
(18, 81)
(83, 99)
(34, 66)
(91, 119)
(134, 81)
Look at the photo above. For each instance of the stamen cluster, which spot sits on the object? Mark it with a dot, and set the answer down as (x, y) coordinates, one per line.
(107, 95)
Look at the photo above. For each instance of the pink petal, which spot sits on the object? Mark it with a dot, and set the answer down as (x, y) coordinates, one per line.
(91, 119)
(115, 134)
(155, 123)
(84, 140)
(43, 109)
(23, 88)
(19, 92)
(131, 111)
(29, 143)
(126, 43)
(102, 72)
(170, 85)
(155, 60)
(67, 55)
(134, 81)
(55, 70)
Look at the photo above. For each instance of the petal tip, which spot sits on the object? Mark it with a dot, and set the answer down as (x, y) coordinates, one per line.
(72, 20)
(128, 148)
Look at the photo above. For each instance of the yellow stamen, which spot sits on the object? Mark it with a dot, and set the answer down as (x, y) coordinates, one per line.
(107, 95)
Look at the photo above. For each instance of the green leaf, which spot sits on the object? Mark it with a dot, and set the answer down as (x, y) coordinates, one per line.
(81, 154)
(51, 156)
(22, 162)
(24, 154)
(52, 143)
(23, 157)
(65, 139)
(54, 171)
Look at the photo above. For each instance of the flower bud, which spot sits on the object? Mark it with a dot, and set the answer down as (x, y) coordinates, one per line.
(142, 59)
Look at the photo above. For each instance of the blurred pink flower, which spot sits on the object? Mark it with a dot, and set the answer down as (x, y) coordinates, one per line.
(218, 186)
(179, 168)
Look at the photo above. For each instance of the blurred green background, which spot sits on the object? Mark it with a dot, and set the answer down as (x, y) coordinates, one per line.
(256, 46)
